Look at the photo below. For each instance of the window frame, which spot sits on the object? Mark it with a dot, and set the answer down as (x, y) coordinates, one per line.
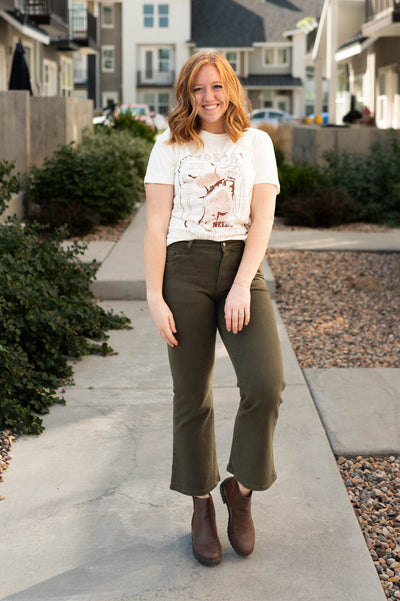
(237, 61)
(107, 47)
(103, 23)
(148, 16)
(161, 16)
(275, 53)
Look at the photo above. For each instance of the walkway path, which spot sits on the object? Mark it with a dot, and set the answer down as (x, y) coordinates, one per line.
(88, 514)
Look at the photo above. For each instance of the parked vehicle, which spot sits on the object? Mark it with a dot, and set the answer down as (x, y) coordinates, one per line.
(141, 112)
(273, 116)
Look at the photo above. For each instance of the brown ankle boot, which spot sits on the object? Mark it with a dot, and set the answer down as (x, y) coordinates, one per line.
(240, 524)
(206, 545)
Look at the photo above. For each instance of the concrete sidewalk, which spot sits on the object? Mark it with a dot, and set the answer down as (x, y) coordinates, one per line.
(88, 514)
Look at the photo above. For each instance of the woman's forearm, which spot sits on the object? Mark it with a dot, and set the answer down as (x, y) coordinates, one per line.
(262, 219)
(256, 245)
(154, 263)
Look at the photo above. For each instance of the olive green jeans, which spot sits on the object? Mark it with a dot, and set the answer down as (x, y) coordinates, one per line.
(198, 276)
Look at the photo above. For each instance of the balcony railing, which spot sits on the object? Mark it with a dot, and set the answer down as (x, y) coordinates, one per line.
(375, 7)
(155, 78)
(43, 9)
(83, 25)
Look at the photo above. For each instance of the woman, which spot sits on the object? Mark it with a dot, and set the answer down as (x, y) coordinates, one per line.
(211, 184)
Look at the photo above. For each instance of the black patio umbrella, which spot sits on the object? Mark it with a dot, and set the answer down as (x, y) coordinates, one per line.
(19, 76)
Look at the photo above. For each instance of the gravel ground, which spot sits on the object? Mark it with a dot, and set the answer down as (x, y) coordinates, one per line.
(341, 309)
(373, 486)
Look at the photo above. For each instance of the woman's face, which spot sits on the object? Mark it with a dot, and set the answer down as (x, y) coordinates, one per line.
(211, 100)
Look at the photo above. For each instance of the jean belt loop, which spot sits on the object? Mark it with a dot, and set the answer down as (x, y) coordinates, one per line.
(189, 246)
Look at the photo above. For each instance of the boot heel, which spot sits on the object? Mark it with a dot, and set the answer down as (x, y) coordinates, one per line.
(223, 497)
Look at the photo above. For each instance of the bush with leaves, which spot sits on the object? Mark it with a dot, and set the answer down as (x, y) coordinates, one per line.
(9, 184)
(48, 315)
(126, 121)
(371, 180)
(320, 206)
(99, 181)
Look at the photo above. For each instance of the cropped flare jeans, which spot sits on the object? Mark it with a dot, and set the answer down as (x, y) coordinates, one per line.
(198, 277)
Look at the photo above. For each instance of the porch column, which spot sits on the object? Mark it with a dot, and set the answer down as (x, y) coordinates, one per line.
(331, 46)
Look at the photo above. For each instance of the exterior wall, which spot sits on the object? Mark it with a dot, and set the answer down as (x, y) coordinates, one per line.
(387, 51)
(9, 36)
(257, 65)
(32, 127)
(134, 35)
(112, 36)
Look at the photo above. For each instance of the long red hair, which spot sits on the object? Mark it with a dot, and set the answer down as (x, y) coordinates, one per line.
(184, 122)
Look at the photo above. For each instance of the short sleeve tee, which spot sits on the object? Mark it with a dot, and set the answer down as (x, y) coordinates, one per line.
(213, 186)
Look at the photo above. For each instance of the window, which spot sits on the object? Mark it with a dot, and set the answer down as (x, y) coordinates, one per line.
(80, 68)
(163, 60)
(276, 56)
(269, 56)
(107, 58)
(148, 15)
(268, 99)
(233, 60)
(163, 15)
(158, 102)
(107, 15)
(282, 56)
(79, 17)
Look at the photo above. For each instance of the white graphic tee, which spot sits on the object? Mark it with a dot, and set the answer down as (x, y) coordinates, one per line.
(213, 186)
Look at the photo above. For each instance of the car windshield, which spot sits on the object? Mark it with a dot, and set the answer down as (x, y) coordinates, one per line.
(137, 111)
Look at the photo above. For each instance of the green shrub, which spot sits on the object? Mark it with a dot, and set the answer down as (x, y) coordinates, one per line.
(298, 179)
(100, 181)
(47, 314)
(371, 180)
(320, 206)
(9, 184)
(125, 121)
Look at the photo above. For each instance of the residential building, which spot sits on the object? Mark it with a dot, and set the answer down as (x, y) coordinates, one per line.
(34, 27)
(155, 39)
(264, 44)
(51, 32)
(358, 43)
(84, 33)
(110, 41)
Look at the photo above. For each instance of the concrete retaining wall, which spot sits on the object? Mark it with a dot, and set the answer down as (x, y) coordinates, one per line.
(31, 127)
(15, 207)
(57, 120)
(310, 142)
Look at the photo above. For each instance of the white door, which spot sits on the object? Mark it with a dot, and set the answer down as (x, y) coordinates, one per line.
(49, 78)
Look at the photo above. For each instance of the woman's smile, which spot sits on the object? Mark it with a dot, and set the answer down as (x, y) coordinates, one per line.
(211, 101)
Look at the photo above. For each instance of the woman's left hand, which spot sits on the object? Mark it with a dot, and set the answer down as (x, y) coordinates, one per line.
(237, 308)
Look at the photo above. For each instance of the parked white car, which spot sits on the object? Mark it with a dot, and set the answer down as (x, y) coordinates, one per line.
(272, 116)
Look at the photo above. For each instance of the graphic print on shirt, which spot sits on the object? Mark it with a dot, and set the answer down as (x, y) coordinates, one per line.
(210, 183)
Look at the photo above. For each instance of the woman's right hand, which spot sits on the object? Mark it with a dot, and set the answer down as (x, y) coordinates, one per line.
(164, 321)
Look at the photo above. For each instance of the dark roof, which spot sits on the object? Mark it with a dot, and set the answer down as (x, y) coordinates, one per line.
(358, 38)
(239, 23)
(221, 23)
(274, 81)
